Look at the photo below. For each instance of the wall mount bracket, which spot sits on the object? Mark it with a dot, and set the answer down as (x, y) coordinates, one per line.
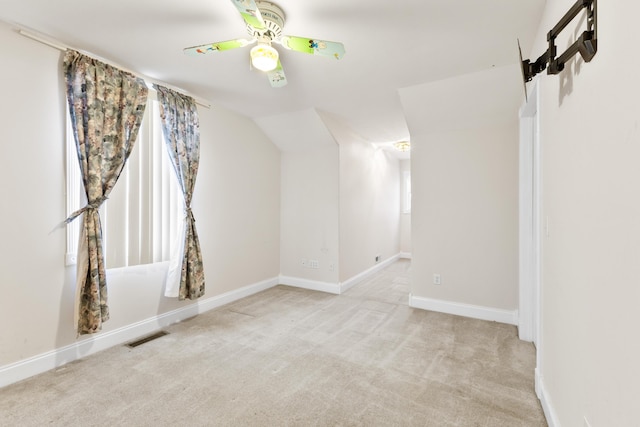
(586, 44)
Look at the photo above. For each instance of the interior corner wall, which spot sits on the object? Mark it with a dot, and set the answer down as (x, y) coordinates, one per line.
(464, 215)
(590, 142)
(369, 206)
(310, 214)
(236, 204)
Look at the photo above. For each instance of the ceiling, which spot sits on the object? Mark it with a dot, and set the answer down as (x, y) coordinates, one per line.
(390, 48)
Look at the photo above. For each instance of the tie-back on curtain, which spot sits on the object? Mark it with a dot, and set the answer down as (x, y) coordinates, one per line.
(106, 106)
(181, 129)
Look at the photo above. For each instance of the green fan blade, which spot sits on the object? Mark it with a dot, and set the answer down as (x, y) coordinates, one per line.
(277, 77)
(215, 47)
(313, 46)
(250, 13)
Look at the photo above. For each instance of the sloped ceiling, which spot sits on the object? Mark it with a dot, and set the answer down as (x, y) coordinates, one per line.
(390, 46)
(285, 128)
(474, 100)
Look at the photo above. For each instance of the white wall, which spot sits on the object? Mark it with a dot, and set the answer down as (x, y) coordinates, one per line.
(464, 170)
(590, 139)
(236, 205)
(32, 273)
(340, 204)
(464, 221)
(237, 201)
(310, 213)
(405, 217)
(369, 202)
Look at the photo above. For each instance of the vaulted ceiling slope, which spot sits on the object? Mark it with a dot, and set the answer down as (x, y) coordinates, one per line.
(389, 46)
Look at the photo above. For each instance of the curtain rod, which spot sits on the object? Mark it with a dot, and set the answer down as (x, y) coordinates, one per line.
(63, 47)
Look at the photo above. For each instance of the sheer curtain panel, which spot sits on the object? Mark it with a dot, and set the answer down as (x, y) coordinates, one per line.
(181, 129)
(106, 106)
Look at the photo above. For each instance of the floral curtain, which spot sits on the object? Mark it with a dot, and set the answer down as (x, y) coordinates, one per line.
(106, 106)
(181, 129)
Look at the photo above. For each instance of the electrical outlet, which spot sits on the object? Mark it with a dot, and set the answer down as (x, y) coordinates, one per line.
(70, 259)
(314, 263)
(437, 279)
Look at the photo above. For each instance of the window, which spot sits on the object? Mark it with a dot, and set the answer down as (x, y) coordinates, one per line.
(141, 218)
(406, 192)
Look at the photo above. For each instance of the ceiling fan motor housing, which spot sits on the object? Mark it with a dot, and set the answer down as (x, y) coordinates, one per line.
(273, 18)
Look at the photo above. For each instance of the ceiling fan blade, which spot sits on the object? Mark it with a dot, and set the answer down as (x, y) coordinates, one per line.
(250, 13)
(215, 47)
(277, 77)
(313, 46)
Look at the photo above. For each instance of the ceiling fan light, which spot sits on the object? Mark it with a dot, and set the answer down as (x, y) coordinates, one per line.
(264, 57)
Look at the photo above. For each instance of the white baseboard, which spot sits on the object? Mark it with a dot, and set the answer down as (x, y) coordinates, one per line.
(235, 295)
(336, 288)
(344, 286)
(90, 344)
(466, 310)
(547, 407)
(405, 255)
(314, 285)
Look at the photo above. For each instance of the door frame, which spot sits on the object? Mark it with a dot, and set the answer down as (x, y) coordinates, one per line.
(529, 224)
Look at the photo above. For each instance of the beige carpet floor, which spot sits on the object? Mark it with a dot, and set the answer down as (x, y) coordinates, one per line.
(293, 357)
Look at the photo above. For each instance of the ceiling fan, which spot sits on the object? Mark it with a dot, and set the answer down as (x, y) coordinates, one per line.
(264, 24)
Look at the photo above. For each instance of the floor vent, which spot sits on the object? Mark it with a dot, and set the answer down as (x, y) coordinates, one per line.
(141, 341)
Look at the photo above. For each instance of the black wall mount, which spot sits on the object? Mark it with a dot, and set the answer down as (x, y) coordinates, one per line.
(586, 44)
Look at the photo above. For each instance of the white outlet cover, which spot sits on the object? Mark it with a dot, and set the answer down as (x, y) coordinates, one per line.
(70, 259)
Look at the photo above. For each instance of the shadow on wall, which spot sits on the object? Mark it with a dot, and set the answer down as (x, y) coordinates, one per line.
(574, 66)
